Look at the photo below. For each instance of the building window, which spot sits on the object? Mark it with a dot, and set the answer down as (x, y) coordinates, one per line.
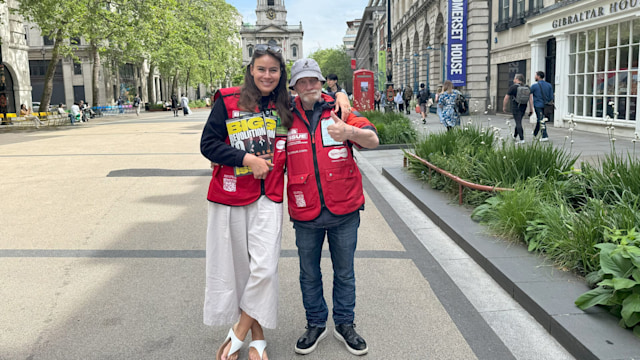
(519, 8)
(77, 68)
(603, 71)
(270, 2)
(75, 41)
(536, 4)
(504, 15)
(250, 48)
(294, 51)
(47, 41)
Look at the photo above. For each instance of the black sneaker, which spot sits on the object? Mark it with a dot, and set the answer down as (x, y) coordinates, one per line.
(310, 339)
(348, 335)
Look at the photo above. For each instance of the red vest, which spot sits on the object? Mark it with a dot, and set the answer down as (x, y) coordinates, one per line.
(229, 189)
(320, 175)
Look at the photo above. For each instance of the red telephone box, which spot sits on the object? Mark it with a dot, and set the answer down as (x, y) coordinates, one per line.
(363, 89)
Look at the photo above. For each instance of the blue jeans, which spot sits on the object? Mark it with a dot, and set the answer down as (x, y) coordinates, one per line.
(540, 115)
(342, 245)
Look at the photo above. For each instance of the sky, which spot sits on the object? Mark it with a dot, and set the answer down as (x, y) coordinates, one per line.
(324, 21)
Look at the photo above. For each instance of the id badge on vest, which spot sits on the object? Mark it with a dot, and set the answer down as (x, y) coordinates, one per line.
(327, 140)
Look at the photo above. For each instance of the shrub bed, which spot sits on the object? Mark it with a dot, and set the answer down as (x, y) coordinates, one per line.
(566, 214)
(393, 128)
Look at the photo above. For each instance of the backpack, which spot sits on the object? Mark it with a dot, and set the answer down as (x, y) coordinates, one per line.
(423, 96)
(462, 104)
(522, 94)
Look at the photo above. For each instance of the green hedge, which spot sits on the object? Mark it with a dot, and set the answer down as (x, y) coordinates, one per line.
(393, 128)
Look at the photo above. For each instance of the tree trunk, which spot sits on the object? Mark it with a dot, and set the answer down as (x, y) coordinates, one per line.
(174, 85)
(186, 83)
(51, 69)
(95, 76)
(151, 84)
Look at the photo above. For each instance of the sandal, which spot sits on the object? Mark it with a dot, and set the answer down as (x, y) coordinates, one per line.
(259, 345)
(236, 345)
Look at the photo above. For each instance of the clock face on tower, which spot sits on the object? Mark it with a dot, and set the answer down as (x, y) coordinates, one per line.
(271, 14)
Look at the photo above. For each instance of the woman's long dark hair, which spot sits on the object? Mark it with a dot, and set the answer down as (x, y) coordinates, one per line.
(250, 95)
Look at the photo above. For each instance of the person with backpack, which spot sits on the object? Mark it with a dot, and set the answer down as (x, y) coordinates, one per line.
(423, 97)
(520, 95)
(407, 94)
(450, 115)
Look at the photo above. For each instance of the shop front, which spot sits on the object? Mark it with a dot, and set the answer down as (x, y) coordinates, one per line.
(596, 46)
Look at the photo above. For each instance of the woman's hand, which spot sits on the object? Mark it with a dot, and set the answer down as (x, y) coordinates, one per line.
(259, 167)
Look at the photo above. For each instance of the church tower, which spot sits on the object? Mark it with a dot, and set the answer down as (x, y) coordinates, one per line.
(271, 28)
(271, 12)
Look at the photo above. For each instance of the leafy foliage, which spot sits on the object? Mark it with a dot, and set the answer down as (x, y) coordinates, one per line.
(335, 61)
(393, 128)
(618, 279)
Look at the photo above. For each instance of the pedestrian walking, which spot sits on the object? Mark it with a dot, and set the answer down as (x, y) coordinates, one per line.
(407, 95)
(543, 98)
(399, 101)
(174, 104)
(136, 104)
(424, 96)
(520, 96)
(184, 102)
(325, 195)
(447, 100)
(376, 100)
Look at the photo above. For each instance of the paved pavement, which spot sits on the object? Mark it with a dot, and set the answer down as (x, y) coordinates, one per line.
(102, 257)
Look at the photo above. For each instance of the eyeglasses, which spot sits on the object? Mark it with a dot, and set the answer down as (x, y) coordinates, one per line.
(273, 48)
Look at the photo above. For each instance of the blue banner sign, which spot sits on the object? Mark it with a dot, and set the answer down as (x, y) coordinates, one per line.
(457, 43)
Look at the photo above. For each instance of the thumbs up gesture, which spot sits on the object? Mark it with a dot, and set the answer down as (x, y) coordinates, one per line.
(339, 130)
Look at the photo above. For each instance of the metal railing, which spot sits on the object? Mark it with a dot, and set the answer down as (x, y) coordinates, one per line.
(461, 182)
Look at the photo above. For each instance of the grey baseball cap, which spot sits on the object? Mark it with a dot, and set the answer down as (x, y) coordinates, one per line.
(305, 68)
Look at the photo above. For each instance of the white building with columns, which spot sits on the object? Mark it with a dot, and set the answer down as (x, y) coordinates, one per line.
(588, 49)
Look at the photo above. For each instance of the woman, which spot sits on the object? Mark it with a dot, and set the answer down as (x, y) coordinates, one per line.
(447, 100)
(26, 113)
(245, 211)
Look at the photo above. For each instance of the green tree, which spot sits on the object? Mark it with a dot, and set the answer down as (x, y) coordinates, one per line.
(335, 61)
(52, 17)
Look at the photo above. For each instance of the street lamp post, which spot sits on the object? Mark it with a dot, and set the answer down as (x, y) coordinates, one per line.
(406, 71)
(415, 72)
(389, 85)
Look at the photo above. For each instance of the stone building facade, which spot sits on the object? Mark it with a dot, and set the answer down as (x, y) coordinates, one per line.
(419, 44)
(14, 57)
(271, 28)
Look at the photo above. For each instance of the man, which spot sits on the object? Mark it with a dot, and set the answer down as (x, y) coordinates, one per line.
(332, 84)
(518, 105)
(407, 94)
(423, 96)
(325, 198)
(136, 104)
(542, 93)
